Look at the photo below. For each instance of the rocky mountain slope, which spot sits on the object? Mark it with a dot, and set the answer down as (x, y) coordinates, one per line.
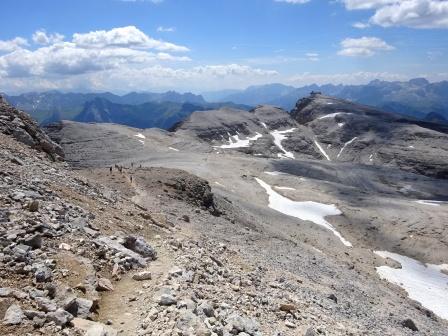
(235, 223)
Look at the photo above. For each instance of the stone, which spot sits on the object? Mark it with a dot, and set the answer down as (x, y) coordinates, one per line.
(310, 332)
(91, 328)
(175, 271)
(289, 324)
(65, 246)
(104, 285)
(141, 276)
(13, 315)
(45, 304)
(333, 297)
(31, 314)
(60, 317)
(167, 300)
(43, 274)
(79, 307)
(410, 324)
(206, 308)
(11, 292)
(33, 206)
(287, 307)
(34, 241)
(238, 324)
(140, 246)
(116, 246)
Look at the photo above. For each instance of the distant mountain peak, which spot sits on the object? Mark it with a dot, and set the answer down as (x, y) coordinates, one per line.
(419, 81)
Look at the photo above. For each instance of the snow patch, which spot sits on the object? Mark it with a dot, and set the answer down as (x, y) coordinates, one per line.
(275, 173)
(173, 149)
(219, 184)
(264, 125)
(310, 211)
(284, 188)
(341, 124)
(423, 283)
(142, 141)
(236, 142)
(139, 135)
(332, 115)
(322, 150)
(429, 202)
(345, 145)
(279, 136)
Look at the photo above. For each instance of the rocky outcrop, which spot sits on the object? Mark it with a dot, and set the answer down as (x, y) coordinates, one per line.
(351, 132)
(24, 129)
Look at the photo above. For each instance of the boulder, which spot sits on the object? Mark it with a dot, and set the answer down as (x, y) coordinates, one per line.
(14, 315)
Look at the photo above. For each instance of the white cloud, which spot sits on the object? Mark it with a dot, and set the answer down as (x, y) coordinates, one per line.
(41, 37)
(408, 13)
(361, 25)
(156, 77)
(14, 44)
(295, 2)
(120, 59)
(86, 53)
(311, 56)
(126, 37)
(364, 46)
(162, 29)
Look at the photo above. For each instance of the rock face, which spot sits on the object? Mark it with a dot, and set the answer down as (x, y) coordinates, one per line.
(352, 132)
(24, 129)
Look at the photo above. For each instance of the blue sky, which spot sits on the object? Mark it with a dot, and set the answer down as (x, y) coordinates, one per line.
(201, 45)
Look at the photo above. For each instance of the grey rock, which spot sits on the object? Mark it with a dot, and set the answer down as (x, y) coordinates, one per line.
(46, 304)
(33, 206)
(43, 274)
(13, 315)
(79, 307)
(116, 246)
(167, 300)
(410, 324)
(34, 241)
(237, 323)
(60, 317)
(140, 246)
(206, 309)
(141, 276)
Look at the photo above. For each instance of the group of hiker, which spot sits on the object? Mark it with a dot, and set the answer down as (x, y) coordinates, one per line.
(120, 169)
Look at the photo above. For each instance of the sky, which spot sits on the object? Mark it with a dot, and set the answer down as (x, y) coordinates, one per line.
(207, 45)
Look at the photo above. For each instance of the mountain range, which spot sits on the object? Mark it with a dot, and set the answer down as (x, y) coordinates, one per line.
(133, 109)
(416, 97)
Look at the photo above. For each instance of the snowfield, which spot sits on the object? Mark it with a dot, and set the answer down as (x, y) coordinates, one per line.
(423, 283)
(279, 136)
(309, 211)
(236, 142)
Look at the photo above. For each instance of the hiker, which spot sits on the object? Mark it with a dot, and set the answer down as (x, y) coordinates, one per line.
(110, 170)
